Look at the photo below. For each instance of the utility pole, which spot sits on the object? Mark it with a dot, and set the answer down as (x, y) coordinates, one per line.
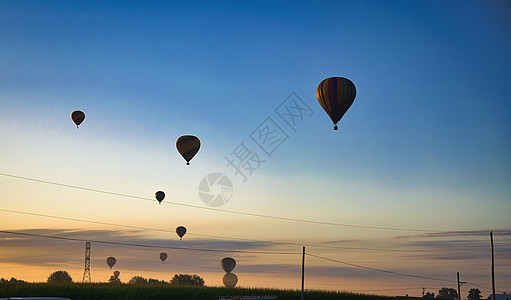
(492, 266)
(303, 268)
(459, 284)
(86, 272)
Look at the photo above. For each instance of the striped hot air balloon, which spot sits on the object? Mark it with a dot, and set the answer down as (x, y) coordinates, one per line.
(188, 146)
(336, 94)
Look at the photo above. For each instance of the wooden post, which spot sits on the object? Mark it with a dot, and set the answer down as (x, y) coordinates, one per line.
(492, 266)
(303, 267)
(459, 293)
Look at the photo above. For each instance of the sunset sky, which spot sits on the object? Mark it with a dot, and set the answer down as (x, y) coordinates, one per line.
(400, 198)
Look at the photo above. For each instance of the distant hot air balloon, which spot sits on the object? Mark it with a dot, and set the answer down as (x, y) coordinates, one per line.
(117, 273)
(111, 261)
(181, 230)
(228, 264)
(188, 146)
(230, 280)
(78, 116)
(163, 257)
(159, 196)
(336, 94)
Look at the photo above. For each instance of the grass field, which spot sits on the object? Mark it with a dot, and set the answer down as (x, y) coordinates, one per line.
(99, 291)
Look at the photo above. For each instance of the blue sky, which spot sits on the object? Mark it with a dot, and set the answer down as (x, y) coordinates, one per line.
(425, 145)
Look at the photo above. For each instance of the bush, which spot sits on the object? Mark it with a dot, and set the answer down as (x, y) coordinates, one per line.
(187, 279)
(138, 280)
(59, 277)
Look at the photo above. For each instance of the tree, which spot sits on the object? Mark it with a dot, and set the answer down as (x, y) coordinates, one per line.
(156, 281)
(59, 277)
(447, 293)
(12, 280)
(187, 279)
(114, 279)
(138, 280)
(474, 294)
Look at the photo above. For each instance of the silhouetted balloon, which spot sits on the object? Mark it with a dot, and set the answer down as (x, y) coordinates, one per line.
(230, 280)
(111, 261)
(163, 256)
(188, 146)
(228, 264)
(78, 116)
(181, 230)
(336, 94)
(117, 273)
(159, 196)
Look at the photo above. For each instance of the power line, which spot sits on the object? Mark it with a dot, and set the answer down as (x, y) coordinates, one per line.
(143, 245)
(37, 256)
(82, 220)
(215, 209)
(502, 235)
(388, 290)
(234, 251)
(391, 272)
(379, 270)
(200, 234)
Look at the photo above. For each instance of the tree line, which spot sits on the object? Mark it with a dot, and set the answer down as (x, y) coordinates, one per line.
(195, 280)
(178, 279)
(451, 294)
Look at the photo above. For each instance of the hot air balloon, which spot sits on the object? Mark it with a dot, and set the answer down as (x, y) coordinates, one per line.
(159, 196)
(78, 116)
(188, 146)
(163, 257)
(117, 273)
(230, 280)
(181, 230)
(111, 261)
(336, 94)
(228, 264)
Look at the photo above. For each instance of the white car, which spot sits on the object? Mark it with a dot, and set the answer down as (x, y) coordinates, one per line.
(34, 298)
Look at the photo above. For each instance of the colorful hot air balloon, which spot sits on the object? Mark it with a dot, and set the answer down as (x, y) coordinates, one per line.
(110, 261)
(336, 94)
(159, 196)
(230, 280)
(163, 257)
(228, 264)
(117, 273)
(78, 116)
(181, 230)
(188, 146)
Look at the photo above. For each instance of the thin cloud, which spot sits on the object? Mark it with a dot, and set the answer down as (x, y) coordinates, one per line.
(326, 271)
(464, 233)
(340, 242)
(132, 237)
(32, 250)
(449, 250)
